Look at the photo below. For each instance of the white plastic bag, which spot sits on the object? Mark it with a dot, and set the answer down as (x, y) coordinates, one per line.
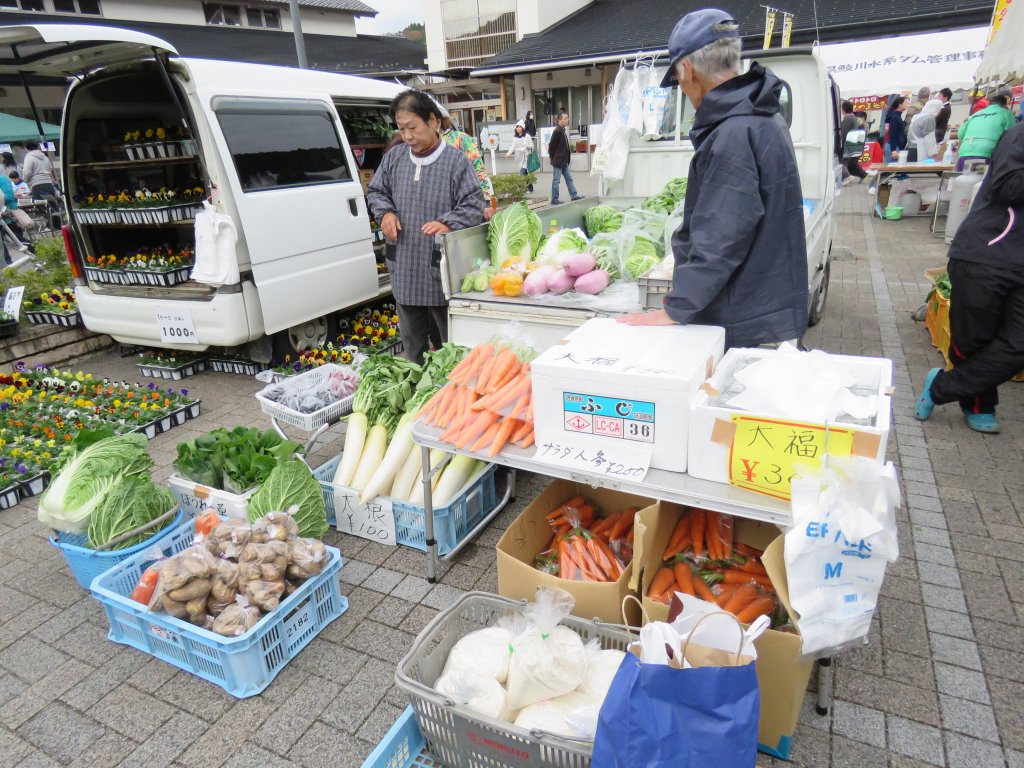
(216, 236)
(480, 693)
(563, 715)
(655, 102)
(602, 666)
(484, 652)
(547, 660)
(843, 534)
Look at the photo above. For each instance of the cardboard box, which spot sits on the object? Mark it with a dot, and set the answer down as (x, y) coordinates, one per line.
(365, 177)
(612, 385)
(715, 440)
(530, 535)
(782, 673)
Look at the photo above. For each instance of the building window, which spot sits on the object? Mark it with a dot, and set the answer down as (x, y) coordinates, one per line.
(23, 5)
(282, 144)
(82, 7)
(476, 30)
(267, 18)
(223, 15)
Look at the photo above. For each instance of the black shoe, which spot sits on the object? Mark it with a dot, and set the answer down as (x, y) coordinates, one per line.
(556, 202)
(578, 197)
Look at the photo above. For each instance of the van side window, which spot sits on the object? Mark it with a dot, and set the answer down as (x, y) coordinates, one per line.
(282, 144)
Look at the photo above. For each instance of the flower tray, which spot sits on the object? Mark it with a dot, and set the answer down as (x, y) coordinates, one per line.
(53, 318)
(244, 367)
(33, 486)
(98, 215)
(175, 373)
(159, 277)
(9, 496)
(163, 214)
(8, 328)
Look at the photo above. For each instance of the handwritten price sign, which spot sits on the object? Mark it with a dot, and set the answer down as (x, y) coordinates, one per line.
(626, 462)
(765, 453)
(374, 520)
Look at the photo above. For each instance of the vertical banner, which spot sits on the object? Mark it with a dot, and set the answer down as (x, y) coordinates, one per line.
(998, 14)
(769, 26)
(787, 28)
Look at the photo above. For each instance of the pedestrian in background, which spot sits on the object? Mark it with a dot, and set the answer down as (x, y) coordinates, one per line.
(558, 153)
(986, 303)
(896, 129)
(921, 142)
(426, 189)
(923, 95)
(467, 145)
(853, 137)
(530, 125)
(942, 119)
(982, 131)
(38, 172)
(522, 146)
(978, 101)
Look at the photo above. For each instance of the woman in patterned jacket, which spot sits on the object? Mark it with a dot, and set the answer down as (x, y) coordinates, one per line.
(428, 189)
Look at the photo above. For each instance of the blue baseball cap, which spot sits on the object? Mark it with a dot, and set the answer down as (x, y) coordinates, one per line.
(693, 32)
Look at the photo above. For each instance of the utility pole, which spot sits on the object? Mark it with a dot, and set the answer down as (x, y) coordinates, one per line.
(300, 46)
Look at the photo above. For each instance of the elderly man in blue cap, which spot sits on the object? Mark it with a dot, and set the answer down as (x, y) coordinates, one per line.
(740, 253)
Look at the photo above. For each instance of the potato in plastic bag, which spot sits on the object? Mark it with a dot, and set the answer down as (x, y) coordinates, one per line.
(277, 526)
(223, 587)
(237, 619)
(230, 537)
(306, 559)
(265, 595)
(264, 562)
(194, 564)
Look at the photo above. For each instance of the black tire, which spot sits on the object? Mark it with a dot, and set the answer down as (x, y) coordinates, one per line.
(820, 297)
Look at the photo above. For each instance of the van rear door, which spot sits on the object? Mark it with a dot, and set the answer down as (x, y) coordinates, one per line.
(301, 205)
(60, 50)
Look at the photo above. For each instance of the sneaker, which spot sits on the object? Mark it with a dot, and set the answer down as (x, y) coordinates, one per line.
(982, 422)
(578, 197)
(555, 202)
(925, 405)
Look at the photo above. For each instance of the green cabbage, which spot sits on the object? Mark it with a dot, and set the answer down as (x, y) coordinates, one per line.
(292, 483)
(601, 218)
(606, 249)
(675, 189)
(513, 233)
(660, 202)
(642, 256)
(131, 503)
(561, 244)
(87, 477)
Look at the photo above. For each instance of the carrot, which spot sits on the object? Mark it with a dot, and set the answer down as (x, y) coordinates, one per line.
(697, 525)
(600, 558)
(527, 441)
(662, 581)
(723, 595)
(734, 576)
(566, 567)
(514, 390)
(501, 437)
(613, 567)
(490, 368)
(561, 509)
(439, 402)
(659, 598)
(752, 566)
(701, 589)
(629, 536)
(625, 523)
(429, 407)
(479, 424)
(744, 595)
(524, 429)
(485, 439)
(758, 607)
(504, 369)
(604, 523)
(586, 561)
(680, 547)
(470, 364)
(519, 408)
(745, 549)
(682, 529)
(684, 578)
(451, 434)
(486, 366)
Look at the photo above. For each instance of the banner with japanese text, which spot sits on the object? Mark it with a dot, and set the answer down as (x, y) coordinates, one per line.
(787, 29)
(769, 26)
(998, 14)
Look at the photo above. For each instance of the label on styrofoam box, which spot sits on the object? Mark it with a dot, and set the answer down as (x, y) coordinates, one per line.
(621, 460)
(196, 498)
(608, 416)
(374, 520)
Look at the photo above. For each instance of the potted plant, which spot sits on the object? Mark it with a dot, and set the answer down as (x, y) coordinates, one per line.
(54, 307)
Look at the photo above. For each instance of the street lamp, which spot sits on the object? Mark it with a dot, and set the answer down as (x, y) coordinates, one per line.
(300, 46)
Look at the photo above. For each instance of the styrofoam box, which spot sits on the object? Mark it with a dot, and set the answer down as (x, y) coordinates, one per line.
(611, 382)
(196, 498)
(709, 458)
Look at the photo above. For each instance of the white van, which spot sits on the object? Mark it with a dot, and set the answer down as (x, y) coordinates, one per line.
(811, 106)
(276, 149)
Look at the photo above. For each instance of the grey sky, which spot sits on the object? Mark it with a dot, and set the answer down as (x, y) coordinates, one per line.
(393, 16)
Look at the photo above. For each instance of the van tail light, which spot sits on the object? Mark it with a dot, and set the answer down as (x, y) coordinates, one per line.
(69, 247)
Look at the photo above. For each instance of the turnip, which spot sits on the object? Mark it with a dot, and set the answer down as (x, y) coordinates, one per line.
(560, 282)
(578, 264)
(593, 282)
(537, 281)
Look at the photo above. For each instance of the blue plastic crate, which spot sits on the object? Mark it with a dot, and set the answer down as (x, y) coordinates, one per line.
(86, 564)
(242, 666)
(451, 522)
(403, 747)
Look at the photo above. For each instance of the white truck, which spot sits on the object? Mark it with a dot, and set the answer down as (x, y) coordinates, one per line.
(811, 106)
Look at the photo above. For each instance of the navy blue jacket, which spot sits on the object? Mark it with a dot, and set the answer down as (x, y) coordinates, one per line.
(740, 253)
(897, 131)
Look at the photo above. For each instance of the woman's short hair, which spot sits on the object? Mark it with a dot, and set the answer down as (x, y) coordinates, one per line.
(416, 103)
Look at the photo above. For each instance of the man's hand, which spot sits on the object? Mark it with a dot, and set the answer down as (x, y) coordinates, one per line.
(488, 212)
(657, 317)
(432, 228)
(390, 226)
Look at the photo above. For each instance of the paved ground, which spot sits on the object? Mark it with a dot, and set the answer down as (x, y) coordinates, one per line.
(939, 683)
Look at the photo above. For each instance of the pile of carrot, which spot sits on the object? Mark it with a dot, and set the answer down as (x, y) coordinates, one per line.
(702, 559)
(584, 546)
(487, 403)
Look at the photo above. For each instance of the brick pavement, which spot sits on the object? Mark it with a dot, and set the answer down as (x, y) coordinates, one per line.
(939, 682)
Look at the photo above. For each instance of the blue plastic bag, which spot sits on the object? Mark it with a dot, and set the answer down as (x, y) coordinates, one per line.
(656, 716)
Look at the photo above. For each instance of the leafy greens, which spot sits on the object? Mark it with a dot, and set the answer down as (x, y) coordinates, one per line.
(234, 460)
(131, 503)
(513, 233)
(292, 484)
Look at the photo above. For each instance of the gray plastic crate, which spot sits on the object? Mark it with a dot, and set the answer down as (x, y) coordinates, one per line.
(461, 738)
(653, 290)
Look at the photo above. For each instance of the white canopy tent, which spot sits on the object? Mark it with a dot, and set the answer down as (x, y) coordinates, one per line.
(896, 64)
(1004, 59)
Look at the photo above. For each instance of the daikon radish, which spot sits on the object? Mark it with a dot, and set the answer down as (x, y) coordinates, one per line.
(416, 492)
(355, 438)
(458, 471)
(384, 475)
(406, 476)
(373, 454)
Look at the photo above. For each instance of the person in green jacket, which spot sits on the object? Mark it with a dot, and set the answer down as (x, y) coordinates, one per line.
(979, 135)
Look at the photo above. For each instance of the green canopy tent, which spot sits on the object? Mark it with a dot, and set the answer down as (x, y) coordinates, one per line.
(15, 129)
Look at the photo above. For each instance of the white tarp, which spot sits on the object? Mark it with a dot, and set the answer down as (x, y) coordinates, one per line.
(1004, 59)
(895, 64)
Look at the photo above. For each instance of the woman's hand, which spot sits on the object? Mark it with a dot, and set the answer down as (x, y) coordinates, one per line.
(432, 228)
(390, 226)
(657, 317)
